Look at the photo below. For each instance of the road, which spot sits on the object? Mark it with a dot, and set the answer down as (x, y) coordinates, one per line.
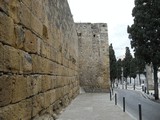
(150, 109)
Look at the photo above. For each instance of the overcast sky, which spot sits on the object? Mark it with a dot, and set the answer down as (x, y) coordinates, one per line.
(116, 13)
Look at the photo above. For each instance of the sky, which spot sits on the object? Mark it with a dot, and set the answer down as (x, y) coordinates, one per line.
(116, 13)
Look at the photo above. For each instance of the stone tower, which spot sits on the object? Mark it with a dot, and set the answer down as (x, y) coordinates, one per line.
(93, 56)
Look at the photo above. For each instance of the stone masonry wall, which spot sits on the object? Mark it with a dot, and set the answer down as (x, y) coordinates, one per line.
(38, 58)
(93, 56)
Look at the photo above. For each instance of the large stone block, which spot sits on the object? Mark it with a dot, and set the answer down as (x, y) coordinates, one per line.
(1, 57)
(6, 87)
(18, 111)
(25, 15)
(51, 67)
(37, 8)
(49, 98)
(45, 50)
(26, 62)
(53, 54)
(33, 85)
(59, 69)
(59, 93)
(30, 43)
(11, 7)
(19, 33)
(11, 59)
(38, 64)
(19, 88)
(38, 104)
(46, 83)
(36, 25)
(36, 84)
(7, 34)
(53, 96)
(27, 3)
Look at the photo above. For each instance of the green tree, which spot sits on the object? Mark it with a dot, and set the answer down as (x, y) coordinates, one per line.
(119, 69)
(140, 67)
(133, 68)
(126, 63)
(145, 34)
(113, 68)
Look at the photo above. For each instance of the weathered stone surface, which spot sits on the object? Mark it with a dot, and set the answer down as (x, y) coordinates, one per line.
(93, 56)
(30, 43)
(33, 83)
(27, 3)
(7, 35)
(46, 83)
(6, 87)
(36, 25)
(19, 33)
(11, 7)
(26, 62)
(37, 8)
(1, 57)
(38, 58)
(45, 50)
(25, 15)
(18, 111)
(39, 64)
(19, 88)
(11, 59)
(38, 104)
(43, 117)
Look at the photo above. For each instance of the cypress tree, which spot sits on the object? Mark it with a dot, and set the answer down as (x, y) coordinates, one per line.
(145, 34)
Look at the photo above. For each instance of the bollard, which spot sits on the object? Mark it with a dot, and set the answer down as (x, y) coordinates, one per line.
(110, 96)
(115, 99)
(134, 87)
(145, 89)
(123, 104)
(140, 112)
(142, 88)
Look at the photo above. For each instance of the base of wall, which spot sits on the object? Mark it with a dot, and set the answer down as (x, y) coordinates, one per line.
(89, 89)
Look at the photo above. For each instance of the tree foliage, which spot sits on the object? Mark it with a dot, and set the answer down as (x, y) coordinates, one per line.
(126, 63)
(140, 67)
(145, 34)
(113, 68)
(133, 68)
(119, 69)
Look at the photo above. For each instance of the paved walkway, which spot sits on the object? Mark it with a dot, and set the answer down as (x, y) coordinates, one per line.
(93, 106)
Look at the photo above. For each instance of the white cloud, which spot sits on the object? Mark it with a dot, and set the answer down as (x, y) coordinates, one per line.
(117, 13)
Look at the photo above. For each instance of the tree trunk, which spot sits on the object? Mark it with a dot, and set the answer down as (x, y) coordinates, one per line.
(134, 84)
(139, 78)
(156, 82)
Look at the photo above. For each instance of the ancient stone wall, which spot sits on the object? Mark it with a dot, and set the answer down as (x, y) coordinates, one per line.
(38, 58)
(93, 56)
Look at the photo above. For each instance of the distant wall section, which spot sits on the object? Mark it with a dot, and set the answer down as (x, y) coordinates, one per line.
(93, 56)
